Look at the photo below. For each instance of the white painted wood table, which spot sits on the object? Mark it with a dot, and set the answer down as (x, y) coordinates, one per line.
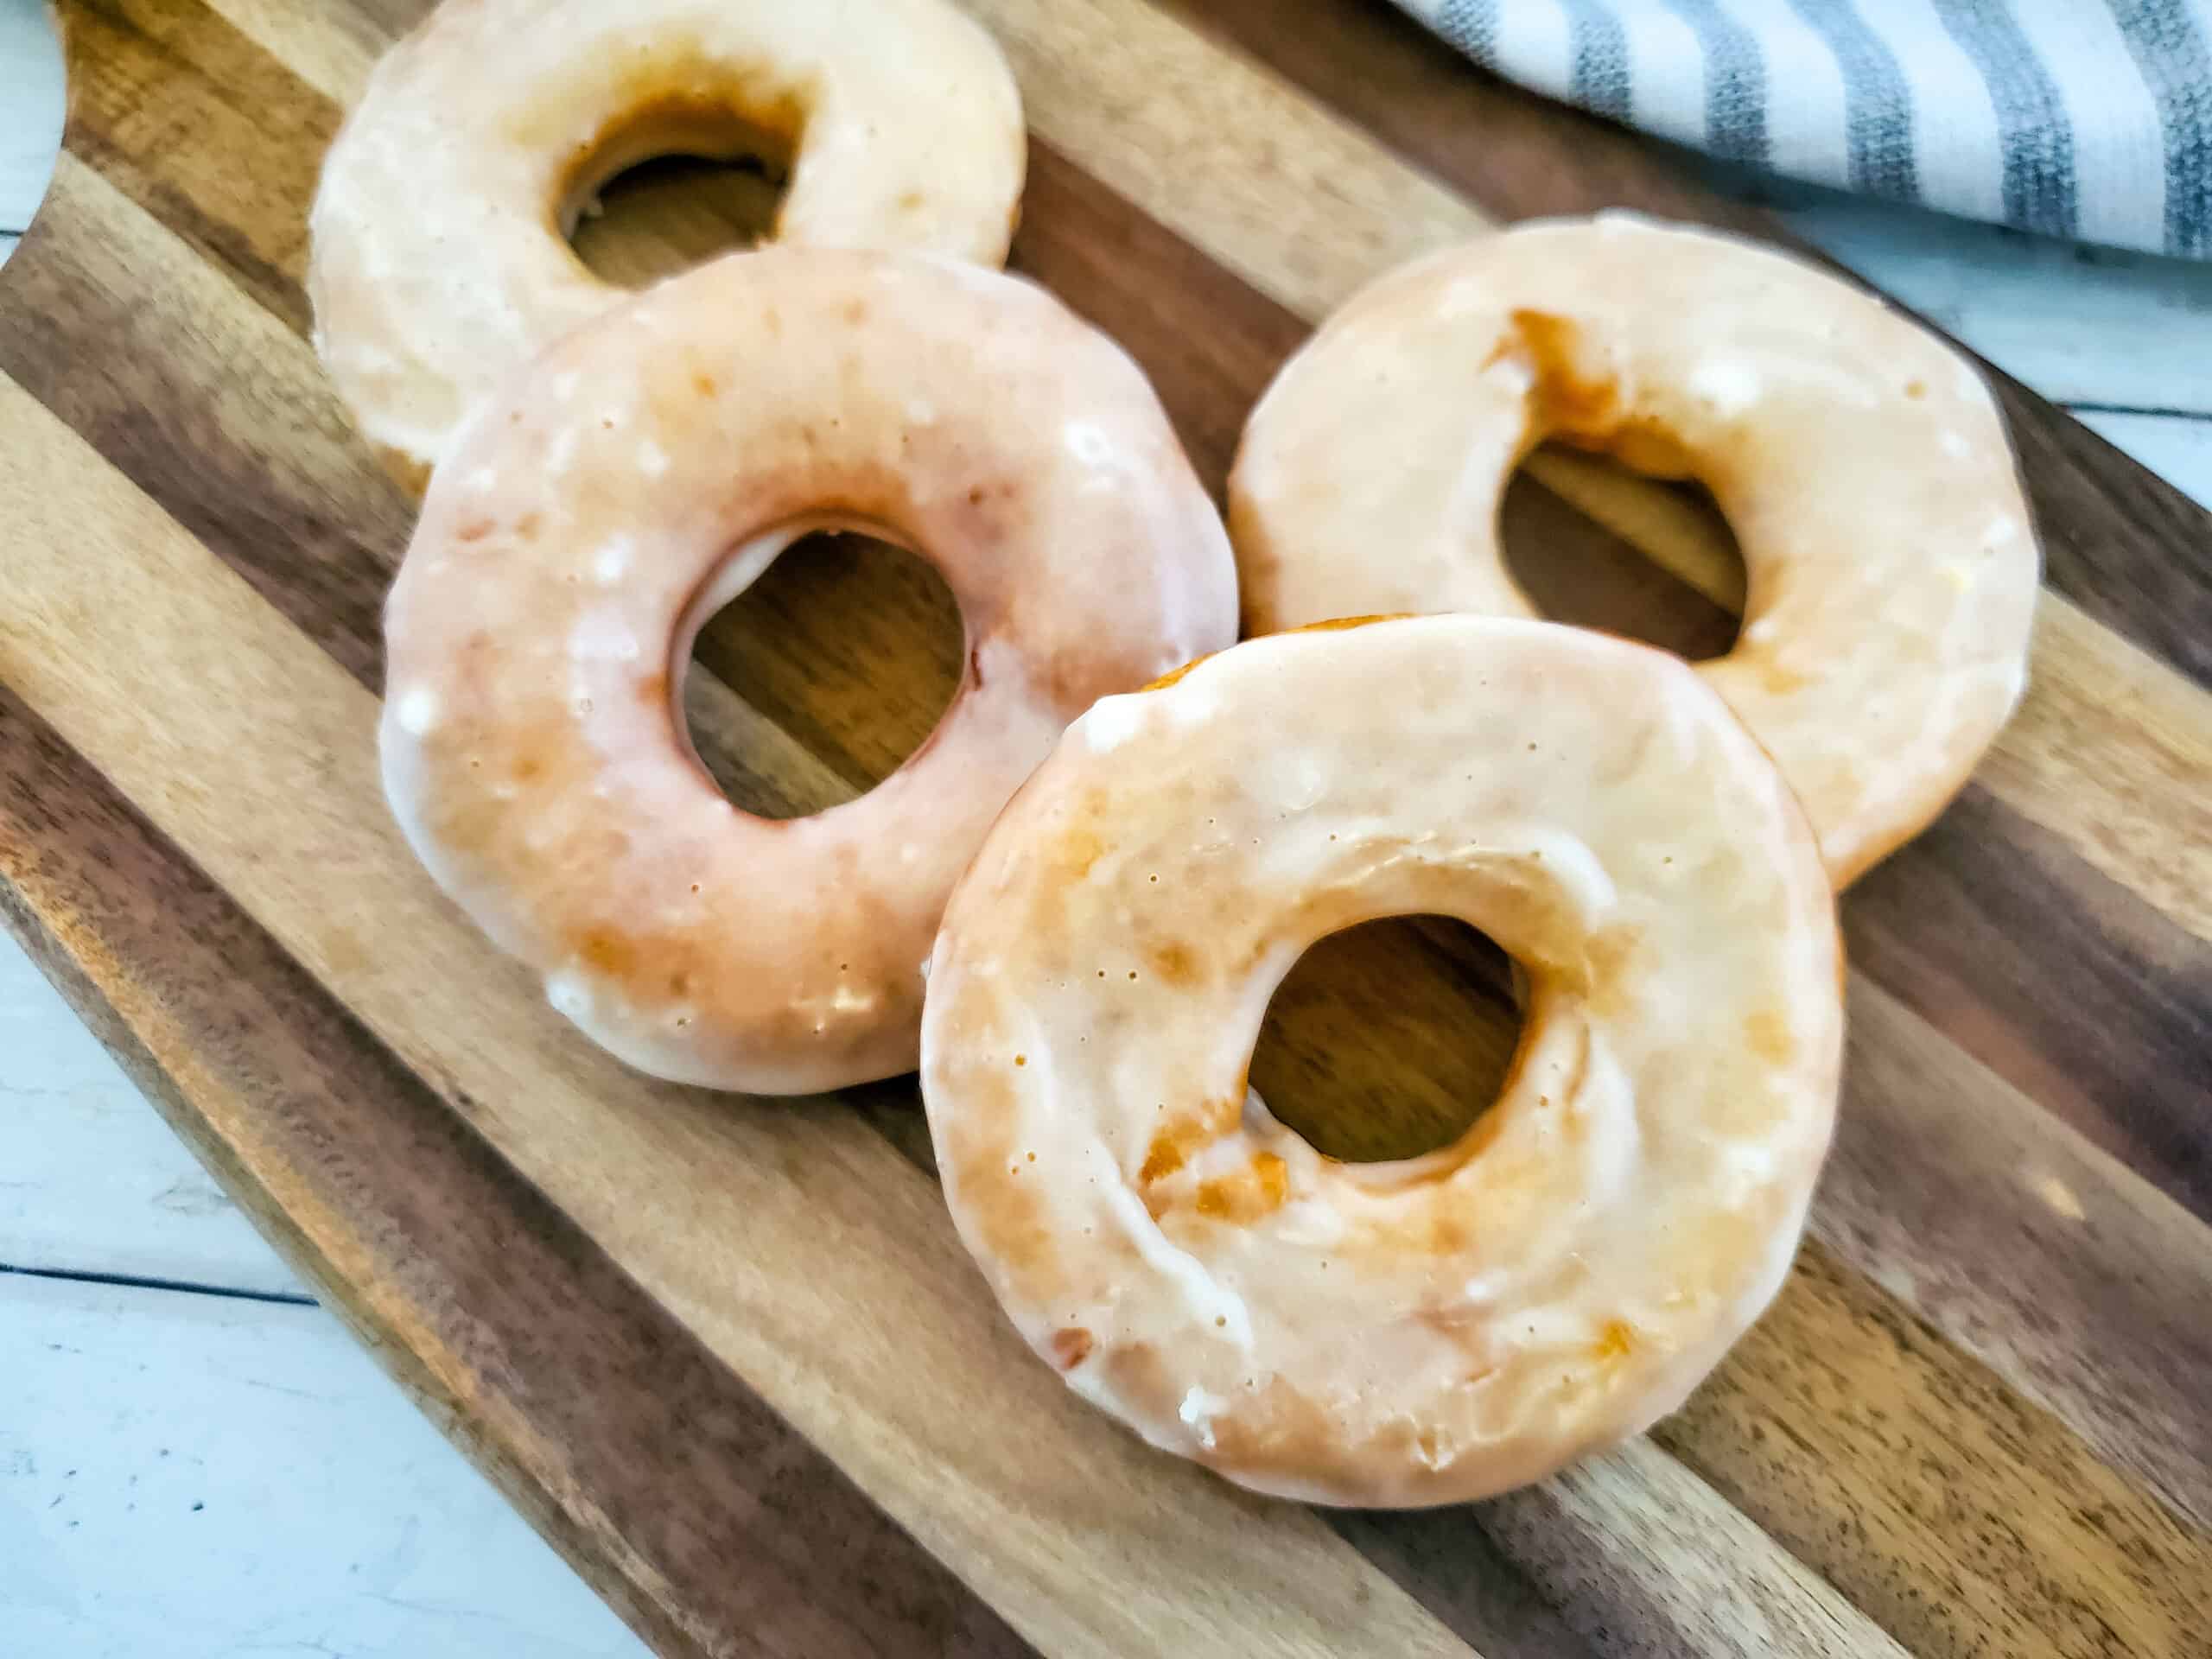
(197, 1460)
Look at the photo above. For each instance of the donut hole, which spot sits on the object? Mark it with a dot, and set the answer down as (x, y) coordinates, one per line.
(852, 645)
(1566, 525)
(672, 189)
(1390, 1039)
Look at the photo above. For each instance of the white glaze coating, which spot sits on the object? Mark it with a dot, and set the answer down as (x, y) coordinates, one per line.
(440, 259)
(540, 624)
(1446, 1327)
(1860, 461)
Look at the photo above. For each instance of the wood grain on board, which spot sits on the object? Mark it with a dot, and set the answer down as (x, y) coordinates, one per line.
(728, 1353)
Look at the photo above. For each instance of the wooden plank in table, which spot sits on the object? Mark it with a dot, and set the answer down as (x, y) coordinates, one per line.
(30, 109)
(2178, 447)
(267, 1487)
(90, 1182)
(1651, 1592)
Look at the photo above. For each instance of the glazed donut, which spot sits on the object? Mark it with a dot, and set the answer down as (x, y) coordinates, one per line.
(440, 259)
(645, 471)
(1442, 1327)
(1892, 570)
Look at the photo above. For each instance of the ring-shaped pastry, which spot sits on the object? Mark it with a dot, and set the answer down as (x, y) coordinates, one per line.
(645, 471)
(1860, 461)
(439, 257)
(1446, 1327)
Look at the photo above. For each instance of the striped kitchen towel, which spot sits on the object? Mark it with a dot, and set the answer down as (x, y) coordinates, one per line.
(2083, 118)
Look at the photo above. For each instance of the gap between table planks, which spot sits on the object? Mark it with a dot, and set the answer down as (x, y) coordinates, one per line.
(1909, 1448)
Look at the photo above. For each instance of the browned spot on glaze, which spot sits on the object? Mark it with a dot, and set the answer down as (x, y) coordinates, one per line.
(1451, 1322)
(1768, 1034)
(1337, 623)
(910, 201)
(1176, 1139)
(1082, 849)
(1449, 1233)
(1256, 1190)
(652, 689)
(1174, 962)
(474, 530)
(528, 525)
(1071, 1345)
(1014, 1224)
(470, 823)
(607, 952)
(1283, 1425)
(1175, 674)
(1435, 1228)
(1273, 1177)
(1009, 1215)
(1616, 1341)
(1568, 402)
(1781, 681)
(1607, 961)
(1643, 446)
(855, 311)
(704, 384)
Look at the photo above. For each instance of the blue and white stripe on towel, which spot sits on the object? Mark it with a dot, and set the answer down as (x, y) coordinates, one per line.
(2082, 119)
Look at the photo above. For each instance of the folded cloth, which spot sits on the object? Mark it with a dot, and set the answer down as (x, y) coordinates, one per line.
(2083, 118)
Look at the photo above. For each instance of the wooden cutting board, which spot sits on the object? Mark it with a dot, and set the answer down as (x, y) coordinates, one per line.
(728, 1354)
